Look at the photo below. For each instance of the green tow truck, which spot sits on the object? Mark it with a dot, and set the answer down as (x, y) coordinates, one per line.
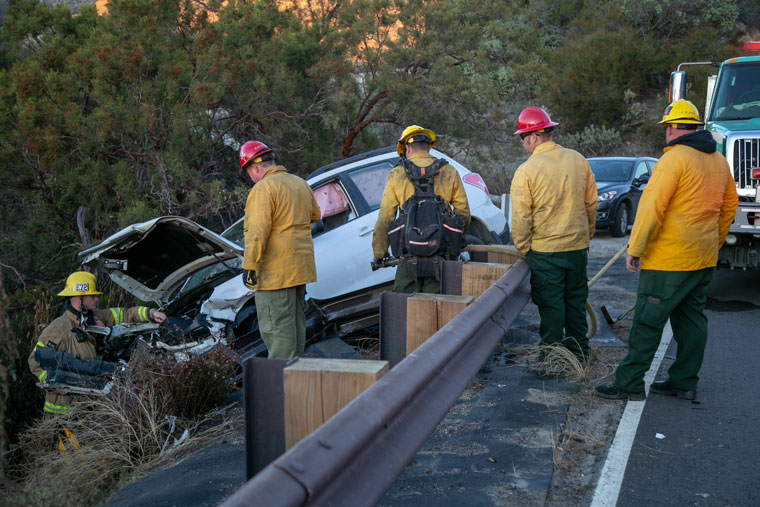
(732, 114)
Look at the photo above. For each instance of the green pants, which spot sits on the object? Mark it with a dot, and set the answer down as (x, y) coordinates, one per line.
(680, 296)
(406, 282)
(281, 321)
(559, 288)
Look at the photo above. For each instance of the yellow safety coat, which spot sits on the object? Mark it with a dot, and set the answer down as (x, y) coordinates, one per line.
(278, 244)
(398, 189)
(684, 212)
(553, 201)
(60, 336)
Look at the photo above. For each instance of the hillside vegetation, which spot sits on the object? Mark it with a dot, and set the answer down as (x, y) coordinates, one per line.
(110, 119)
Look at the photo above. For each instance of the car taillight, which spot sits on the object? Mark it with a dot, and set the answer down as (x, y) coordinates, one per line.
(756, 173)
(475, 179)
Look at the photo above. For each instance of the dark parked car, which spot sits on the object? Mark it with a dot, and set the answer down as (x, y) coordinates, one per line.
(619, 182)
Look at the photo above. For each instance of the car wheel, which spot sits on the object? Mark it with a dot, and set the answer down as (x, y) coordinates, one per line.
(620, 227)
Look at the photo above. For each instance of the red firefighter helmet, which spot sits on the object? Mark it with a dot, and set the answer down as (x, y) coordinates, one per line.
(532, 119)
(254, 151)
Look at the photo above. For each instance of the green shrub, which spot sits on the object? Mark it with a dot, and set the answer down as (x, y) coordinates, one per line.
(593, 141)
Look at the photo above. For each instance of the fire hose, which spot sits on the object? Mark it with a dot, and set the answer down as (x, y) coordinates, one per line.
(593, 324)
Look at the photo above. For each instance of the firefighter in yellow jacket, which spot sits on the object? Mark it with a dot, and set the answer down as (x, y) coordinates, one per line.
(279, 252)
(415, 144)
(683, 217)
(67, 334)
(553, 219)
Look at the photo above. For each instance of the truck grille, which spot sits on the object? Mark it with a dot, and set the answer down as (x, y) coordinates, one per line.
(746, 157)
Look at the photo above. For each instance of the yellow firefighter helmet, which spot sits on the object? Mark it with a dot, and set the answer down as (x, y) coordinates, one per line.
(414, 134)
(681, 112)
(80, 283)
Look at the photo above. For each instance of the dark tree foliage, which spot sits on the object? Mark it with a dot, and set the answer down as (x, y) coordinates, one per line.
(106, 120)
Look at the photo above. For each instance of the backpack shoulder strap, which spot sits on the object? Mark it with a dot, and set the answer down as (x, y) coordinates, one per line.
(415, 172)
(436, 166)
(418, 177)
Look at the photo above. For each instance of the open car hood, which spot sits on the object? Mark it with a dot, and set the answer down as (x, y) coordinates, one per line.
(152, 259)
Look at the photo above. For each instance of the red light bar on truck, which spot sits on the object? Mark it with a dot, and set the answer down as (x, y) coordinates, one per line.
(752, 46)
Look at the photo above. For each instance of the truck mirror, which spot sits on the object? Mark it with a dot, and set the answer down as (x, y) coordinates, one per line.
(677, 85)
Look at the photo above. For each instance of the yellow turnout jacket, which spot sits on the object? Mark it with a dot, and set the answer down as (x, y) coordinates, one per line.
(685, 210)
(60, 336)
(278, 244)
(553, 201)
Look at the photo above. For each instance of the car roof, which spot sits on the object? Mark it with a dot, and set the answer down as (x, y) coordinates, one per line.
(380, 155)
(621, 158)
(349, 160)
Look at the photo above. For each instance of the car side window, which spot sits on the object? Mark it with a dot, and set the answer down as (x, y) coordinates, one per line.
(370, 180)
(333, 204)
(235, 233)
(641, 170)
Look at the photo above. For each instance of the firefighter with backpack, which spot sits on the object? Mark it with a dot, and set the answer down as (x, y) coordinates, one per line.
(433, 214)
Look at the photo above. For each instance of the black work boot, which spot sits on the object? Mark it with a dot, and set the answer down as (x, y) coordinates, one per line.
(613, 393)
(664, 388)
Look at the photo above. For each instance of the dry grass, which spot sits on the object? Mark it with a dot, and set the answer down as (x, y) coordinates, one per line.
(119, 435)
(368, 347)
(559, 361)
(576, 442)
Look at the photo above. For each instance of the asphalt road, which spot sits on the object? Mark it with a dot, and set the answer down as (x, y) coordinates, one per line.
(707, 453)
(494, 447)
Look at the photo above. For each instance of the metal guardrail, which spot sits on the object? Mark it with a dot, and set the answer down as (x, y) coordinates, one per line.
(354, 458)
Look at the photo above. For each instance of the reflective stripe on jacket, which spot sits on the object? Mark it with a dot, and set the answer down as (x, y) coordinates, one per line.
(553, 201)
(277, 225)
(684, 212)
(398, 189)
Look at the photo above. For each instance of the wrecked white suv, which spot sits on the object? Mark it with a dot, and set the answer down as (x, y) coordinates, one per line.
(193, 274)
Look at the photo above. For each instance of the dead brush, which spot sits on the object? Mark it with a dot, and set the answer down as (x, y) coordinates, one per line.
(555, 360)
(559, 360)
(118, 435)
(368, 347)
(568, 443)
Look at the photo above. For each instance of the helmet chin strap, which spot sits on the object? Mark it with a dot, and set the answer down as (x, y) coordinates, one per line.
(82, 310)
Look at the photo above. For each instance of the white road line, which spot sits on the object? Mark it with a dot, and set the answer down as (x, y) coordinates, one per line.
(611, 478)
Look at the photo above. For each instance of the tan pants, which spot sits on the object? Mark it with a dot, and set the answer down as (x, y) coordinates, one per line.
(281, 321)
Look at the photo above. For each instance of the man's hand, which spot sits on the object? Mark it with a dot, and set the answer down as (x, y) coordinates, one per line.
(631, 263)
(378, 262)
(249, 278)
(159, 317)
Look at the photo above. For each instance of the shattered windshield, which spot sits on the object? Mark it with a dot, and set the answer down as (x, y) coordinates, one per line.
(738, 95)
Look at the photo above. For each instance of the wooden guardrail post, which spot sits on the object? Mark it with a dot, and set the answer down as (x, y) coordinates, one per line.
(317, 389)
(477, 277)
(427, 313)
(500, 254)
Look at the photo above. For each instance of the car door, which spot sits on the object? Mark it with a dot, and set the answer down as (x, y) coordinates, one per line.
(343, 251)
(642, 168)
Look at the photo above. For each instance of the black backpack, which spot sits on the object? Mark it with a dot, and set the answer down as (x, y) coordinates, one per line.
(425, 226)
